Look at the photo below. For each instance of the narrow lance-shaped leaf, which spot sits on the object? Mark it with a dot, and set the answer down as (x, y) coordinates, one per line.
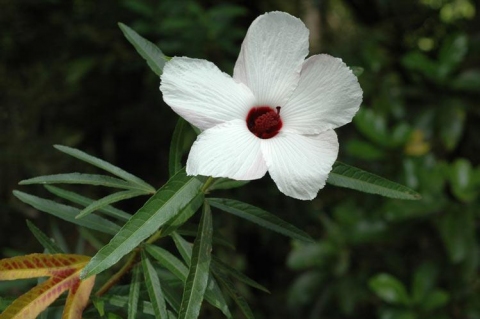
(173, 265)
(122, 302)
(169, 261)
(107, 200)
(158, 210)
(91, 239)
(150, 52)
(134, 294)
(218, 238)
(105, 166)
(224, 267)
(78, 298)
(184, 247)
(260, 217)
(213, 294)
(232, 291)
(80, 178)
(172, 297)
(43, 239)
(198, 274)
(226, 183)
(68, 213)
(344, 175)
(154, 288)
(85, 201)
(180, 142)
(184, 215)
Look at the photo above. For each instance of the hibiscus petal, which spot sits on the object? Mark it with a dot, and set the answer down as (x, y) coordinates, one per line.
(202, 94)
(227, 150)
(300, 164)
(271, 57)
(327, 96)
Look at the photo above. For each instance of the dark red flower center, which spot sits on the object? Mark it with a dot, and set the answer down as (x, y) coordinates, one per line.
(264, 122)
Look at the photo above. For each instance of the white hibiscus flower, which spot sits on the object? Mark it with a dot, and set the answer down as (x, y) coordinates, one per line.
(277, 113)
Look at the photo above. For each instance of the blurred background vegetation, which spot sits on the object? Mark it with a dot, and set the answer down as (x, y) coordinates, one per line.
(67, 76)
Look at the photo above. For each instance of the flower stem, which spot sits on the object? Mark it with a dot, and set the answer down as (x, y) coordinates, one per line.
(207, 184)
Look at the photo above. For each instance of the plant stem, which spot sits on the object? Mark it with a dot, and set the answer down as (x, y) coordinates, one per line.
(157, 235)
(207, 184)
(133, 256)
(119, 274)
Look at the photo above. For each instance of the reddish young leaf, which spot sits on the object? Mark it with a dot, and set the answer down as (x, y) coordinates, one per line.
(64, 272)
(78, 298)
(39, 265)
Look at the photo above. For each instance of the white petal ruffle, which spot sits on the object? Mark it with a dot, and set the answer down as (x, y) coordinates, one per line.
(202, 94)
(299, 164)
(227, 150)
(327, 96)
(271, 57)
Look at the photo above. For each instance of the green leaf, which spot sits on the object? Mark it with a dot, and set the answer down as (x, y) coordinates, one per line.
(312, 255)
(169, 261)
(106, 166)
(196, 129)
(364, 150)
(159, 209)
(457, 231)
(88, 236)
(304, 290)
(357, 70)
(43, 239)
(99, 306)
(451, 122)
(259, 216)
(452, 53)
(184, 215)
(218, 238)
(343, 175)
(199, 271)
(154, 288)
(68, 213)
(424, 279)
(436, 299)
(213, 294)
(417, 61)
(123, 302)
(468, 81)
(107, 200)
(85, 201)
(223, 267)
(150, 52)
(373, 126)
(232, 291)
(389, 289)
(59, 237)
(80, 178)
(172, 296)
(183, 246)
(226, 183)
(393, 313)
(182, 139)
(134, 294)
(462, 180)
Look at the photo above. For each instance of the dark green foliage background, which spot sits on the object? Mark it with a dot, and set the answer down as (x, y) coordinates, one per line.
(68, 76)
